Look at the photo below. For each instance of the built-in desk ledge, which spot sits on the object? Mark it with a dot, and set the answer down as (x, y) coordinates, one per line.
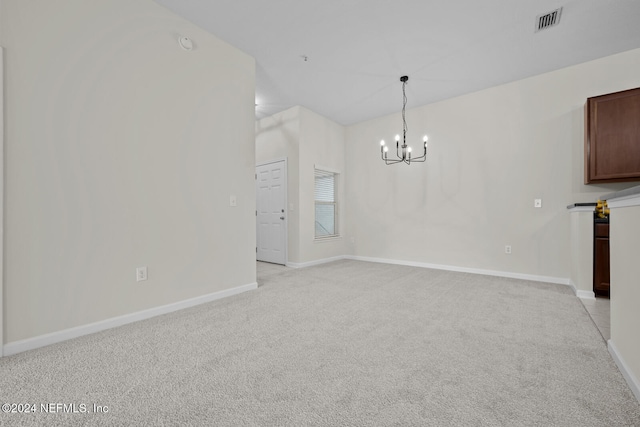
(582, 207)
(623, 198)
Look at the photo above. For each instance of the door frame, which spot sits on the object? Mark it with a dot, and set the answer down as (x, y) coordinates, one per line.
(286, 205)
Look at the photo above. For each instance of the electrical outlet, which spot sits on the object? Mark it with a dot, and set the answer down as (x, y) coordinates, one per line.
(507, 249)
(537, 203)
(141, 274)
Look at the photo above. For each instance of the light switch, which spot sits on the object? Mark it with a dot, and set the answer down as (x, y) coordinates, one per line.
(233, 201)
(537, 203)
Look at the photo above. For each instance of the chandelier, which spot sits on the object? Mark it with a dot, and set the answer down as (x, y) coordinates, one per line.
(405, 154)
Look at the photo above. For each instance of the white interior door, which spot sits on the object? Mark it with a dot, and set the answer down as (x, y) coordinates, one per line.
(271, 221)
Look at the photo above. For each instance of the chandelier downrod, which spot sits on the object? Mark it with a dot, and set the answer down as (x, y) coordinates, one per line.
(403, 152)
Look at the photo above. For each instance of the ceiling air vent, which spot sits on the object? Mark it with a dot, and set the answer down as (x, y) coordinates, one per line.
(547, 20)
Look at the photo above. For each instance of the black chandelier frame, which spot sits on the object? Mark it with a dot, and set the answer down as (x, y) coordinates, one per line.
(403, 152)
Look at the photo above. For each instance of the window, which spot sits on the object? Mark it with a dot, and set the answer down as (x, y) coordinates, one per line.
(326, 206)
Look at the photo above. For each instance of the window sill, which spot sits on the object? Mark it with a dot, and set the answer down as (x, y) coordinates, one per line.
(326, 239)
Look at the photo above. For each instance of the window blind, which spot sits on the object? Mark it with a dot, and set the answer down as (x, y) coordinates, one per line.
(325, 204)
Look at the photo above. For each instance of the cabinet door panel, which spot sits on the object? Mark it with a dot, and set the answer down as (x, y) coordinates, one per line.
(612, 137)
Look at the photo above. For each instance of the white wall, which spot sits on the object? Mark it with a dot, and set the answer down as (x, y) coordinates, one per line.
(491, 153)
(121, 151)
(625, 288)
(306, 139)
(321, 143)
(278, 137)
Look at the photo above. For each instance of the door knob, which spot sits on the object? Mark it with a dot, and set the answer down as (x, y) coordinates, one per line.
(281, 217)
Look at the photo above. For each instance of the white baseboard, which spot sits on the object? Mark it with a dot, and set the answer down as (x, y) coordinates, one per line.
(585, 294)
(545, 279)
(315, 262)
(580, 293)
(78, 331)
(633, 382)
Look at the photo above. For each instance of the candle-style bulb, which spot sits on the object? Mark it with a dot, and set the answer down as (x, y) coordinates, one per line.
(409, 149)
(397, 138)
(425, 138)
(382, 142)
(386, 148)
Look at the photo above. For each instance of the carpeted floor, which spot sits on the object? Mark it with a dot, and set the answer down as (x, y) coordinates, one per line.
(342, 344)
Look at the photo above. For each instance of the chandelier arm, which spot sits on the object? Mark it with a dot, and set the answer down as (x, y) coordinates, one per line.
(392, 162)
(424, 156)
(419, 159)
(387, 161)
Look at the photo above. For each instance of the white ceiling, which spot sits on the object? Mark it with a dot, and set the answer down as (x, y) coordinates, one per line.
(358, 49)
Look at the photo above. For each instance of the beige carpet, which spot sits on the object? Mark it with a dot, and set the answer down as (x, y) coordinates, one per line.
(341, 344)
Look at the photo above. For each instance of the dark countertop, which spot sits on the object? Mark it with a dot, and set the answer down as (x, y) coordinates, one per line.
(575, 205)
(622, 193)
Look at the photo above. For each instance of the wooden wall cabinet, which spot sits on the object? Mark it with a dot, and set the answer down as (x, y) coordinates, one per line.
(612, 137)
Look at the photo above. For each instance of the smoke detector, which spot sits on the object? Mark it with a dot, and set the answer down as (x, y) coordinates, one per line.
(185, 43)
